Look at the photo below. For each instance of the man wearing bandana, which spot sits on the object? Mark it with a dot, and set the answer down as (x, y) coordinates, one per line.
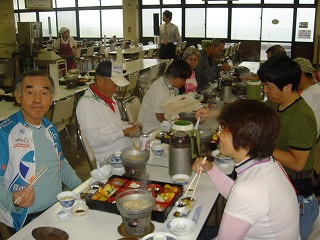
(99, 116)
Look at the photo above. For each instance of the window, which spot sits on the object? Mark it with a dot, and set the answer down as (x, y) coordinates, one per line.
(306, 1)
(245, 24)
(110, 2)
(246, 1)
(147, 21)
(277, 24)
(43, 17)
(86, 3)
(171, 2)
(279, 1)
(67, 19)
(195, 20)
(112, 22)
(194, 2)
(305, 24)
(28, 17)
(217, 23)
(22, 4)
(66, 3)
(150, 2)
(89, 22)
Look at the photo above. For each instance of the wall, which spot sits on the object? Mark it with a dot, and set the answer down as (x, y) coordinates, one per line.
(7, 29)
(131, 20)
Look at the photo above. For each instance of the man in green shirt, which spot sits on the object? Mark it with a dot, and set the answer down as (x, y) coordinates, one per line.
(296, 142)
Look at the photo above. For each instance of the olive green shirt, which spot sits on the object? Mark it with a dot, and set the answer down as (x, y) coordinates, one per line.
(298, 130)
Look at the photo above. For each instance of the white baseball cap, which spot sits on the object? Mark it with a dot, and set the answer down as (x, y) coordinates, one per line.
(112, 70)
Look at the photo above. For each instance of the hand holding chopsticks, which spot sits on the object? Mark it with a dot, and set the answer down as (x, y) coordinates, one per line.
(37, 176)
(198, 174)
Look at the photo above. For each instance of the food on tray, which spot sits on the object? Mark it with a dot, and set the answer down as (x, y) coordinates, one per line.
(118, 181)
(160, 207)
(133, 184)
(104, 193)
(167, 194)
(137, 204)
(153, 187)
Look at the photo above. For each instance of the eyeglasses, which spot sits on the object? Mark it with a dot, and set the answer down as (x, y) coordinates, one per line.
(221, 130)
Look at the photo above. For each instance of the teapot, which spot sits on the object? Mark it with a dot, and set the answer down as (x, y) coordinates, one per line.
(180, 154)
(187, 126)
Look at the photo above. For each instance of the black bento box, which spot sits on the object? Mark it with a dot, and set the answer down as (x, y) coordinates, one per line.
(159, 212)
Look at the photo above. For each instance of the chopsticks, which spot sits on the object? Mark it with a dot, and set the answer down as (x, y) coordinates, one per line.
(197, 175)
(37, 176)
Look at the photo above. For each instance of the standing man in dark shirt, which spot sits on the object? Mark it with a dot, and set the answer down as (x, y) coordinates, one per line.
(169, 35)
(209, 66)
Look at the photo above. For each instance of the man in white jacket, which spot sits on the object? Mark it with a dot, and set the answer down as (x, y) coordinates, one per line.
(99, 116)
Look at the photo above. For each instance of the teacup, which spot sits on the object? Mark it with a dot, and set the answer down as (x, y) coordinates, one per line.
(66, 198)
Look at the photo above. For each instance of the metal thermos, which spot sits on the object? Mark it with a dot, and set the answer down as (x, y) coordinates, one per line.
(226, 90)
(180, 154)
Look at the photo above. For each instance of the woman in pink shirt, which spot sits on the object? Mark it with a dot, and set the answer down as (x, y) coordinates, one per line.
(191, 55)
(261, 202)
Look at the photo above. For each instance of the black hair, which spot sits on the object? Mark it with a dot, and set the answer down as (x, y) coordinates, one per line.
(168, 14)
(179, 69)
(254, 126)
(281, 71)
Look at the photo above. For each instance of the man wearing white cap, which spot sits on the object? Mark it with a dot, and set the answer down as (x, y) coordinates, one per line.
(99, 116)
(66, 46)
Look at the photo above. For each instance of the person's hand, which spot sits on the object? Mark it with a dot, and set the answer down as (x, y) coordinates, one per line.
(28, 198)
(198, 163)
(131, 131)
(204, 113)
(138, 124)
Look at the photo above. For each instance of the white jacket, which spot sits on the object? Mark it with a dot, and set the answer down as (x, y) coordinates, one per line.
(101, 126)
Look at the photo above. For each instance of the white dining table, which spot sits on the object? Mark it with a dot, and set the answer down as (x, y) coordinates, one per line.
(100, 225)
(142, 64)
(130, 52)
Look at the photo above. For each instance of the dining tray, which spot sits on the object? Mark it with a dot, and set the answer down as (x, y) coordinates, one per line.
(121, 183)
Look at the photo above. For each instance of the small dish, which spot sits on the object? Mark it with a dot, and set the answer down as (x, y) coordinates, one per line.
(221, 158)
(114, 161)
(160, 236)
(181, 179)
(181, 226)
(106, 173)
(66, 198)
(80, 210)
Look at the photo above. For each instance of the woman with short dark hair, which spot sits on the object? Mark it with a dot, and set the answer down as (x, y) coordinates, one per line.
(261, 202)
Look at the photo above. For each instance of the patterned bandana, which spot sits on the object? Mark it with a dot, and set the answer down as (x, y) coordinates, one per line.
(305, 65)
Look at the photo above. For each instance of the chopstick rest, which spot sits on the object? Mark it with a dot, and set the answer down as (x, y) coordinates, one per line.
(37, 176)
